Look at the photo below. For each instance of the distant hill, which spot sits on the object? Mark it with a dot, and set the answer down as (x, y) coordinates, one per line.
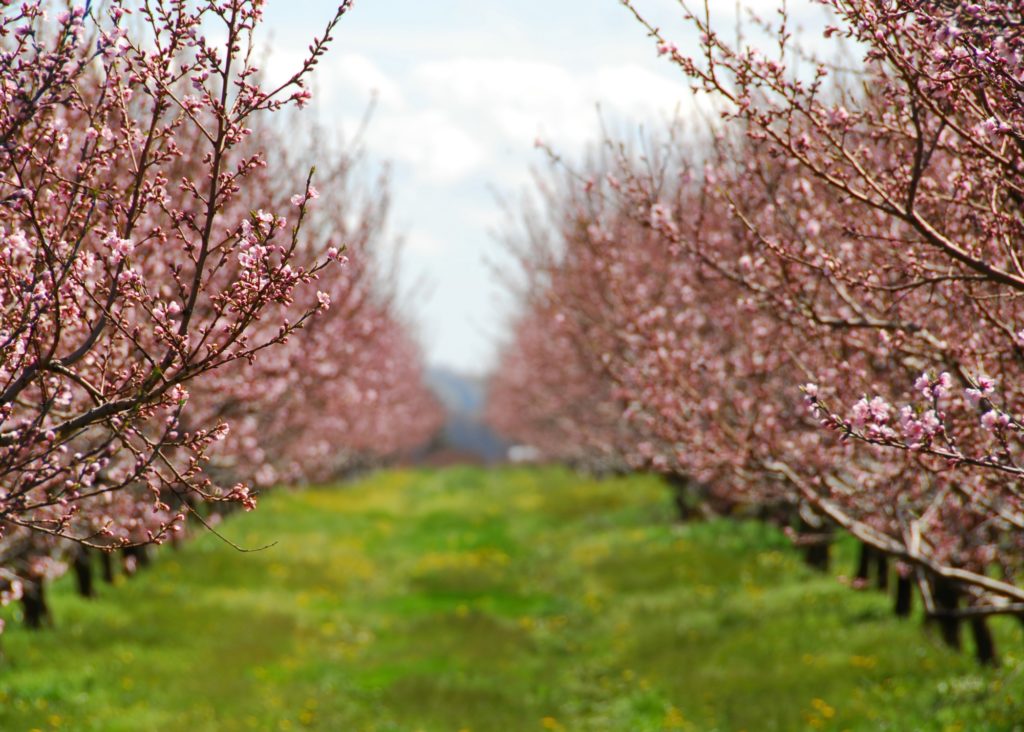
(465, 433)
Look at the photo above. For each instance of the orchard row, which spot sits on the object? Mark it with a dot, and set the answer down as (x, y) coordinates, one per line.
(812, 305)
(188, 312)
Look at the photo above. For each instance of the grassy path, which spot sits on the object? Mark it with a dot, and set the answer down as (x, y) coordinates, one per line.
(492, 602)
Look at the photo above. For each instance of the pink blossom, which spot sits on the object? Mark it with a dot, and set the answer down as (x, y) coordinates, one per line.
(994, 420)
(861, 413)
(119, 248)
(838, 116)
(311, 195)
(880, 409)
(661, 219)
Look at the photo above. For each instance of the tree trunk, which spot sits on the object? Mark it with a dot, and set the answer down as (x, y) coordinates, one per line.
(984, 643)
(882, 567)
(816, 555)
(682, 497)
(83, 572)
(33, 603)
(947, 598)
(107, 567)
(904, 596)
(863, 563)
(816, 536)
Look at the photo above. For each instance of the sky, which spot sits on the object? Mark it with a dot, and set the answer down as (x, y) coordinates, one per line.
(463, 89)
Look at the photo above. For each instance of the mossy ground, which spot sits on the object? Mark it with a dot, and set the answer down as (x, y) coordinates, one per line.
(507, 600)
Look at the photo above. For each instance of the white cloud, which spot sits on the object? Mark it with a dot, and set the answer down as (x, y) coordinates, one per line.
(633, 89)
(420, 242)
(354, 75)
(506, 81)
(513, 99)
(438, 150)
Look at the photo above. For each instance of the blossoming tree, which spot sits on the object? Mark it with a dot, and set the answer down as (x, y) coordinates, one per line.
(855, 243)
(154, 258)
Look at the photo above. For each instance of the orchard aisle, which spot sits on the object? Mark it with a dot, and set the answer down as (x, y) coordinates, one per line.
(490, 601)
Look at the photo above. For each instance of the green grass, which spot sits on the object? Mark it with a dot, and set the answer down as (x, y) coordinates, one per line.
(507, 600)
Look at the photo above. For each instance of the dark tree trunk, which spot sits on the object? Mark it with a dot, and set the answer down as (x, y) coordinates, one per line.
(33, 603)
(946, 599)
(816, 555)
(816, 546)
(882, 567)
(682, 497)
(83, 572)
(904, 596)
(779, 514)
(107, 566)
(863, 563)
(815, 535)
(984, 643)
